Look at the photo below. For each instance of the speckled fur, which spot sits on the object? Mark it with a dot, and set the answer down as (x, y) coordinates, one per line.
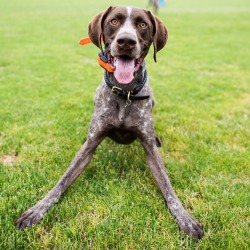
(110, 119)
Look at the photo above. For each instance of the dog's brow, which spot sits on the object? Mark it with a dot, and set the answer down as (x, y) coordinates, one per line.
(129, 10)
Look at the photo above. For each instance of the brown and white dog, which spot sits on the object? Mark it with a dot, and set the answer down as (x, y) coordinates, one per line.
(123, 106)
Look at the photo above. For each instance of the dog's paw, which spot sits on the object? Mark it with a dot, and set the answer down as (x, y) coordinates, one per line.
(190, 226)
(30, 217)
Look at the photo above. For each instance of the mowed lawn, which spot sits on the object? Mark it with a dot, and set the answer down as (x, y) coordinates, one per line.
(201, 84)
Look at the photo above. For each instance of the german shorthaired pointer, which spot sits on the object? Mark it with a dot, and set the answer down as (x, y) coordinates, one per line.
(123, 106)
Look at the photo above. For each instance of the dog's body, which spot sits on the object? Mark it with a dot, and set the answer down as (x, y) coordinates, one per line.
(123, 106)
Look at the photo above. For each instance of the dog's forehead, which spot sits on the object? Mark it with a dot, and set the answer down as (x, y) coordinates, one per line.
(128, 12)
(138, 13)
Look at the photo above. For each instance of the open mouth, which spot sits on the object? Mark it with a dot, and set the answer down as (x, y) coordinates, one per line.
(124, 67)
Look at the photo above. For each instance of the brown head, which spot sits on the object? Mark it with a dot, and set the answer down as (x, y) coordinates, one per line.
(128, 33)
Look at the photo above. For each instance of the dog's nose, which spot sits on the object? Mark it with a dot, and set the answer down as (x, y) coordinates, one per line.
(126, 41)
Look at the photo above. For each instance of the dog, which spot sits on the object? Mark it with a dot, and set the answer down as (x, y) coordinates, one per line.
(123, 106)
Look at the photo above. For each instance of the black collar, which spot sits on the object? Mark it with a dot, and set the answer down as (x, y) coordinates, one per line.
(127, 95)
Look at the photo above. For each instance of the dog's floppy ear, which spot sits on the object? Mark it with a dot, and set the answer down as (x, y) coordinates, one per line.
(160, 33)
(96, 27)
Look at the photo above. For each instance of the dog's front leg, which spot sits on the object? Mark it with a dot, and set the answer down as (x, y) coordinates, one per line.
(78, 164)
(186, 223)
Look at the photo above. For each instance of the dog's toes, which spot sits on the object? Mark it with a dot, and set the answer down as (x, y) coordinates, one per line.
(196, 231)
(191, 227)
(29, 218)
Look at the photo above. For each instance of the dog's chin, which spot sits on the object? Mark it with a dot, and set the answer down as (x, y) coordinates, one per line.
(125, 67)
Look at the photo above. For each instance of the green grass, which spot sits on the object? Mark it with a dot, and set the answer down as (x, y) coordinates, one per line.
(201, 84)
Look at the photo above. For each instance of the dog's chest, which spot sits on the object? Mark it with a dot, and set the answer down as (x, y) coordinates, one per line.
(117, 112)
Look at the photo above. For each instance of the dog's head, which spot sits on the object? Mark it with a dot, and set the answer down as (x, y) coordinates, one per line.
(127, 33)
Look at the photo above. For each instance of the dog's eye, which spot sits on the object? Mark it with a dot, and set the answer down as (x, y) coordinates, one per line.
(114, 22)
(143, 25)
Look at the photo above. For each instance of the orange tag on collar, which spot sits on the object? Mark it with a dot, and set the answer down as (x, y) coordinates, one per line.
(101, 62)
(85, 41)
(104, 65)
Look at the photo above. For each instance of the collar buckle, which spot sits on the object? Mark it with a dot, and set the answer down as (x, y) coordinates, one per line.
(115, 90)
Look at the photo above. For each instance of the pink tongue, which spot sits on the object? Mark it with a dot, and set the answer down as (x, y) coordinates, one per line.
(124, 71)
